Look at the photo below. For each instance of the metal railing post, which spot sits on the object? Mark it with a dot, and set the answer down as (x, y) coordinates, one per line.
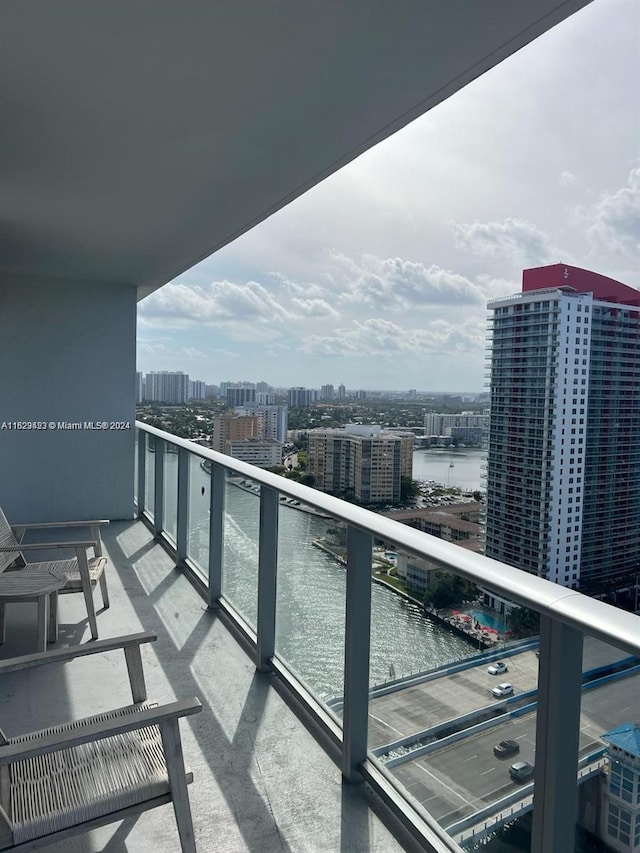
(216, 533)
(267, 572)
(142, 471)
(356, 652)
(158, 487)
(555, 793)
(182, 509)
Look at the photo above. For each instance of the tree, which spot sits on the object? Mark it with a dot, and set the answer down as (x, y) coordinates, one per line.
(408, 488)
(448, 590)
(523, 622)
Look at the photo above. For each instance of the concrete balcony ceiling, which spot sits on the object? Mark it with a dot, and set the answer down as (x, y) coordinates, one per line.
(140, 136)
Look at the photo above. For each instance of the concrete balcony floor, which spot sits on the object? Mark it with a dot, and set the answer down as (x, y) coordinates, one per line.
(262, 782)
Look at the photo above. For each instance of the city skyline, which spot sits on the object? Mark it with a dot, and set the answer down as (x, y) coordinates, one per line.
(379, 277)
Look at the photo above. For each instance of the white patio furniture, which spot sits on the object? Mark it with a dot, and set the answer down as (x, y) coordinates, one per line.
(74, 777)
(82, 572)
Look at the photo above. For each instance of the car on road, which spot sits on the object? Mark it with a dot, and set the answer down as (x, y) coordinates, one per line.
(498, 668)
(506, 748)
(504, 689)
(521, 771)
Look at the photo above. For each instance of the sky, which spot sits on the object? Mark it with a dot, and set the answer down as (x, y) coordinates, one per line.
(378, 278)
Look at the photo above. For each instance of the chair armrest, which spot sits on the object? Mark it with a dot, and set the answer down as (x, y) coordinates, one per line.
(60, 524)
(71, 652)
(34, 546)
(47, 743)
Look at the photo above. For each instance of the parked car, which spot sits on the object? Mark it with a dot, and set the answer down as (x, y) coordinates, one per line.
(506, 748)
(521, 771)
(498, 668)
(504, 689)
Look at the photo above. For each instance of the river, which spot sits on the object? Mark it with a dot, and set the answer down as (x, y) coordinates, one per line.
(311, 585)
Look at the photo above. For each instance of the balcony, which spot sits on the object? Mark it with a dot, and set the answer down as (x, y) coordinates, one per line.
(273, 755)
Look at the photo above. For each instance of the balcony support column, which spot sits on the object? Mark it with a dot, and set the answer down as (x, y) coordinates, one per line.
(555, 799)
(142, 470)
(267, 574)
(356, 653)
(182, 521)
(158, 490)
(216, 534)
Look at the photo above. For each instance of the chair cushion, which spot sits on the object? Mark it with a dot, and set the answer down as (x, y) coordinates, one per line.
(62, 789)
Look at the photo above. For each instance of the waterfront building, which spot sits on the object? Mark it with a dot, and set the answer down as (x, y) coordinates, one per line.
(563, 462)
(165, 386)
(262, 452)
(272, 420)
(361, 460)
(232, 428)
(454, 425)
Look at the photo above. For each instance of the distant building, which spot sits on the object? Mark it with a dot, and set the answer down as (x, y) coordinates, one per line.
(139, 387)
(327, 392)
(563, 461)
(342, 392)
(197, 390)
(232, 428)
(300, 397)
(445, 424)
(360, 460)
(272, 420)
(262, 452)
(240, 395)
(166, 387)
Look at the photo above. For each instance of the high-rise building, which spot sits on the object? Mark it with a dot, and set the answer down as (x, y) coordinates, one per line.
(240, 394)
(232, 428)
(327, 392)
(165, 386)
(342, 392)
(139, 387)
(197, 390)
(272, 420)
(300, 397)
(563, 463)
(362, 460)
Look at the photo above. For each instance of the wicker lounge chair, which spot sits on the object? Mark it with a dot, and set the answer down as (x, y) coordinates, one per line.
(82, 572)
(74, 777)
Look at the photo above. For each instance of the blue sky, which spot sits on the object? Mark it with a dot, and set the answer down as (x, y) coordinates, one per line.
(379, 276)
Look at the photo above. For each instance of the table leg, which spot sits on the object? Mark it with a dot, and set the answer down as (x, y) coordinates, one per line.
(53, 617)
(43, 618)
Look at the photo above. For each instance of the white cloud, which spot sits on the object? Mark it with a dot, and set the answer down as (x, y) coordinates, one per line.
(567, 179)
(515, 240)
(400, 284)
(613, 221)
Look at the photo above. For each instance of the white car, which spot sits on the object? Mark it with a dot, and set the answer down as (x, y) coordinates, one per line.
(504, 689)
(498, 668)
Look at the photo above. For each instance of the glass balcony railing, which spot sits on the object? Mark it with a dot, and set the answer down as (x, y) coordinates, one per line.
(330, 600)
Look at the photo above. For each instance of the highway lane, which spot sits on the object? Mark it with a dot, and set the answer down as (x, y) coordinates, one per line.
(413, 709)
(462, 778)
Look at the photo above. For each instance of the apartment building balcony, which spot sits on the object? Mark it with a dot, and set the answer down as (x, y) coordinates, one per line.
(279, 765)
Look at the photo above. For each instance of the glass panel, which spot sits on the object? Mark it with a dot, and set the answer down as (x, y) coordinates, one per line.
(170, 521)
(310, 608)
(150, 478)
(241, 535)
(199, 499)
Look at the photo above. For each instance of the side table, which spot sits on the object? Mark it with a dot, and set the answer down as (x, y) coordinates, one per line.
(23, 585)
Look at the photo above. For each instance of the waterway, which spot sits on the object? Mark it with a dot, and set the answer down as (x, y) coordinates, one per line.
(450, 466)
(311, 590)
